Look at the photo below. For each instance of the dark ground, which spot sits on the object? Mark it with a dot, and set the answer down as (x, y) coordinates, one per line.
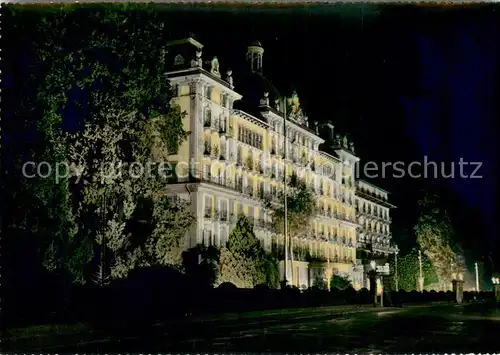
(437, 328)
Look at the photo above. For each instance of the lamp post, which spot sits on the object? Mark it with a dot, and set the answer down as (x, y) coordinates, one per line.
(420, 277)
(451, 273)
(103, 239)
(285, 227)
(373, 276)
(496, 287)
(396, 270)
(477, 277)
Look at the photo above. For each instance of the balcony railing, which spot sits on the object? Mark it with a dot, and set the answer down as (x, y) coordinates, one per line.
(249, 190)
(208, 149)
(336, 215)
(222, 130)
(260, 224)
(224, 216)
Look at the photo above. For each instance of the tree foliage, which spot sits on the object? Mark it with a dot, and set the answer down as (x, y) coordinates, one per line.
(99, 98)
(243, 240)
(408, 270)
(340, 282)
(201, 264)
(244, 262)
(436, 236)
(319, 282)
(301, 207)
(237, 269)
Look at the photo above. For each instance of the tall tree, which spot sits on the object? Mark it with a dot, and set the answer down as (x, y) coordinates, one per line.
(244, 262)
(340, 282)
(408, 271)
(436, 237)
(103, 109)
(301, 208)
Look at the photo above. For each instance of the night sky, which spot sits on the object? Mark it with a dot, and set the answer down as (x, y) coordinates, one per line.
(405, 82)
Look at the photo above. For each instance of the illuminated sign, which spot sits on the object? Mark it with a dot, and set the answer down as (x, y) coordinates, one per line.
(383, 269)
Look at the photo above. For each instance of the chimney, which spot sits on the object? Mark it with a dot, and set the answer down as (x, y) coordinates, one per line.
(330, 133)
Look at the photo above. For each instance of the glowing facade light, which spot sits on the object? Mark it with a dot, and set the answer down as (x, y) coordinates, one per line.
(373, 264)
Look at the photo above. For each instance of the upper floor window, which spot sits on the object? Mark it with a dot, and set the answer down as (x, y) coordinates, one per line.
(224, 208)
(178, 60)
(224, 100)
(208, 92)
(208, 239)
(327, 170)
(251, 138)
(208, 206)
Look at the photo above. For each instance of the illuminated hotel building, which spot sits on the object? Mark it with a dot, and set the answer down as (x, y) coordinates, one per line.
(234, 162)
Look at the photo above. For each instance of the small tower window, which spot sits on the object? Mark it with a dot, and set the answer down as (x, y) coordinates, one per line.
(208, 92)
(178, 60)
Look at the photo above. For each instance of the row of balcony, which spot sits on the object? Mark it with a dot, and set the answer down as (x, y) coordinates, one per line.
(374, 245)
(367, 214)
(274, 197)
(221, 216)
(371, 194)
(337, 215)
(254, 143)
(253, 165)
(375, 240)
(367, 233)
(336, 196)
(337, 240)
(268, 197)
(331, 238)
(305, 254)
(373, 231)
(224, 217)
(293, 180)
(238, 186)
(219, 126)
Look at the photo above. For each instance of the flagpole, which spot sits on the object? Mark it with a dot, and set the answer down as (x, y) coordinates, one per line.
(291, 263)
(285, 227)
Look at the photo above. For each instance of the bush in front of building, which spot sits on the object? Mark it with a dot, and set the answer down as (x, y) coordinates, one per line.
(244, 262)
(340, 282)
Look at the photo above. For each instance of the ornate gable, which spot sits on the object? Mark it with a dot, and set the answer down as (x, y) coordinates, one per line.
(295, 112)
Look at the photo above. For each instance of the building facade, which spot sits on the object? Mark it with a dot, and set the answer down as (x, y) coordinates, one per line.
(374, 237)
(235, 161)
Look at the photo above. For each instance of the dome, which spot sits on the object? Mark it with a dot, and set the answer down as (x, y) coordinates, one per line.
(253, 85)
(255, 44)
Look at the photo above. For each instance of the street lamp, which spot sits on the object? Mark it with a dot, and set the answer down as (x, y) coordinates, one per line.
(396, 269)
(496, 287)
(477, 277)
(285, 221)
(372, 274)
(420, 278)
